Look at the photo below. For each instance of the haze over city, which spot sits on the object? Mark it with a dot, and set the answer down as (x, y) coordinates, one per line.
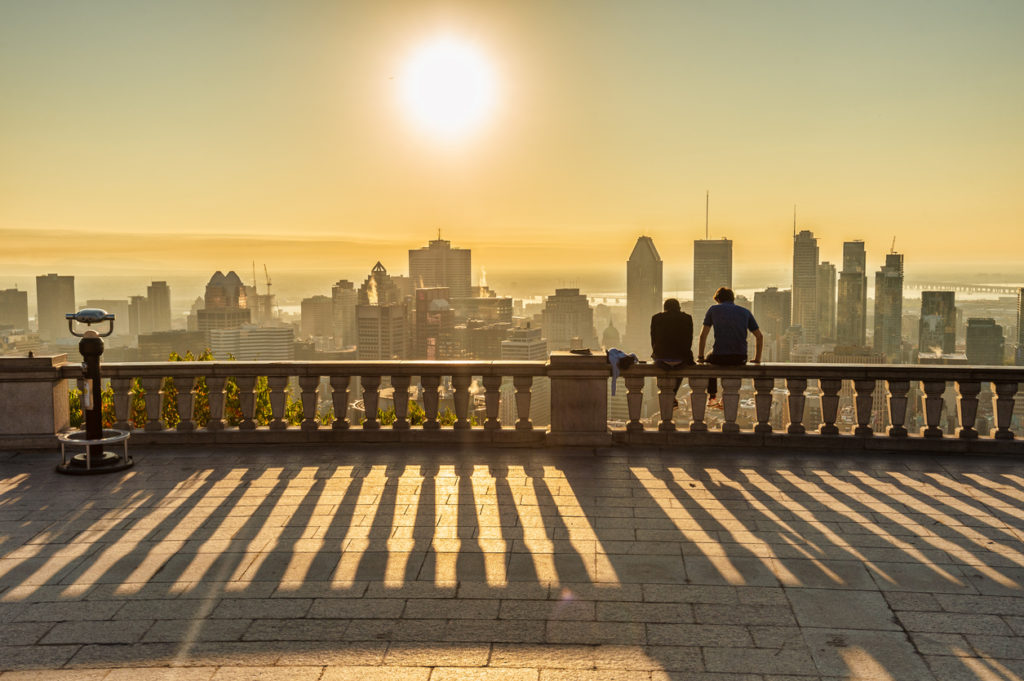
(187, 137)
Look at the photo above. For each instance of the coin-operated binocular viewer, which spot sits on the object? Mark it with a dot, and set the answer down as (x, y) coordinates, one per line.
(94, 438)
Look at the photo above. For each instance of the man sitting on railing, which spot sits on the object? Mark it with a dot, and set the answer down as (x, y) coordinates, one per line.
(672, 338)
(731, 323)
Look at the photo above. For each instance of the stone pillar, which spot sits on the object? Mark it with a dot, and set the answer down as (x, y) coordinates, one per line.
(579, 399)
(33, 401)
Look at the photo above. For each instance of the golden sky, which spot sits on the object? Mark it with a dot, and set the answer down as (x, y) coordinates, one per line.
(269, 120)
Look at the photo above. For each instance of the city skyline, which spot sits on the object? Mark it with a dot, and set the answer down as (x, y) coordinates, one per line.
(279, 128)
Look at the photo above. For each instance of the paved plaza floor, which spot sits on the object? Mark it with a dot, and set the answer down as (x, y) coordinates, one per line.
(318, 563)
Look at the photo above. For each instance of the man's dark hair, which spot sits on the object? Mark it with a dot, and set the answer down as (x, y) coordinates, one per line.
(671, 305)
(725, 295)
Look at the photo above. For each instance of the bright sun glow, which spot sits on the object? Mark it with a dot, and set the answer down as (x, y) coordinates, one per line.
(448, 88)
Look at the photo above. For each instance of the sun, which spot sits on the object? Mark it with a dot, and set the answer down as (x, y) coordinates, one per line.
(448, 88)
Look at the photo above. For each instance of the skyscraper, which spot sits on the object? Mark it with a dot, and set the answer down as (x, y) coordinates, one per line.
(826, 293)
(159, 296)
(773, 310)
(14, 309)
(712, 269)
(55, 297)
(805, 285)
(224, 304)
(435, 325)
(889, 307)
(343, 306)
(852, 308)
(441, 265)
(566, 316)
(317, 317)
(382, 318)
(643, 293)
(985, 342)
(938, 323)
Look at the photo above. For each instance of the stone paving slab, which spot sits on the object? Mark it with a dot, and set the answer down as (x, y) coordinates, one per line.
(241, 563)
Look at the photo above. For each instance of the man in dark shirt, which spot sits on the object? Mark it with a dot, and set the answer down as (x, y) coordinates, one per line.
(731, 323)
(672, 338)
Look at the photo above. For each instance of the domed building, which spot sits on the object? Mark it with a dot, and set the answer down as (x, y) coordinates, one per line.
(224, 305)
(611, 337)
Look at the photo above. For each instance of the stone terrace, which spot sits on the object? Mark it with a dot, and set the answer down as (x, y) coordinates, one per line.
(333, 563)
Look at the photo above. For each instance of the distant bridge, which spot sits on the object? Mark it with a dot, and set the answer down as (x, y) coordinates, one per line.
(965, 288)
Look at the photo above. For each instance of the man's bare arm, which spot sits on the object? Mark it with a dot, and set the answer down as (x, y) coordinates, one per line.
(759, 337)
(703, 341)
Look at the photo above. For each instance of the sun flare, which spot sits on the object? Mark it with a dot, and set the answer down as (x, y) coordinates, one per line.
(448, 88)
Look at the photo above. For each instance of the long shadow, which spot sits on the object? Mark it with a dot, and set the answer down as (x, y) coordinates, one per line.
(423, 528)
(282, 550)
(568, 564)
(325, 562)
(374, 558)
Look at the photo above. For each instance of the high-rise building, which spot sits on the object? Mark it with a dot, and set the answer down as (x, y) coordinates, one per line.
(712, 269)
(643, 293)
(483, 308)
(805, 285)
(14, 309)
(159, 296)
(568, 320)
(55, 297)
(435, 325)
(773, 310)
(343, 301)
(852, 308)
(224, 305)
(441, 265)
(985, 342)
(382, 318)
(889, 307)
(826, 294)
(317, 317)
(938, 323)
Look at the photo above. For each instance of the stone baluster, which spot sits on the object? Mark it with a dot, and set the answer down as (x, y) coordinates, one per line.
(523, 386)
(666, 402)
(1002, 408)
(215, 389)
(898, 407)
(153, 396)
(830, 388)
(185, 401)
(698, 403)
(308, 386)
(864, 402)
(796, 387)
(492, 401)
(730, 403)
(400, 384)
(430, 385)
(277, 385)
(122, 401)
(932, 406)
(634, 401)
(763, 404)
(968, 391)
(460, 386)
(371, 395)
(339, 401)
(247, 401)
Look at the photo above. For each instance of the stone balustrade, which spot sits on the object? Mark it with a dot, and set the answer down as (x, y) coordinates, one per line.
(578, 403)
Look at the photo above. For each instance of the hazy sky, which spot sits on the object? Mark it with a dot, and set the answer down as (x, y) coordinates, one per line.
(281, 119)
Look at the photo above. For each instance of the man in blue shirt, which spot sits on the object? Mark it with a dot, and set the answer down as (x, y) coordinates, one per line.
(731, 323)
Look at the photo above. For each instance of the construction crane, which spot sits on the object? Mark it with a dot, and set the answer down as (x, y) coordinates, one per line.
(267, 275)
(892, 249)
